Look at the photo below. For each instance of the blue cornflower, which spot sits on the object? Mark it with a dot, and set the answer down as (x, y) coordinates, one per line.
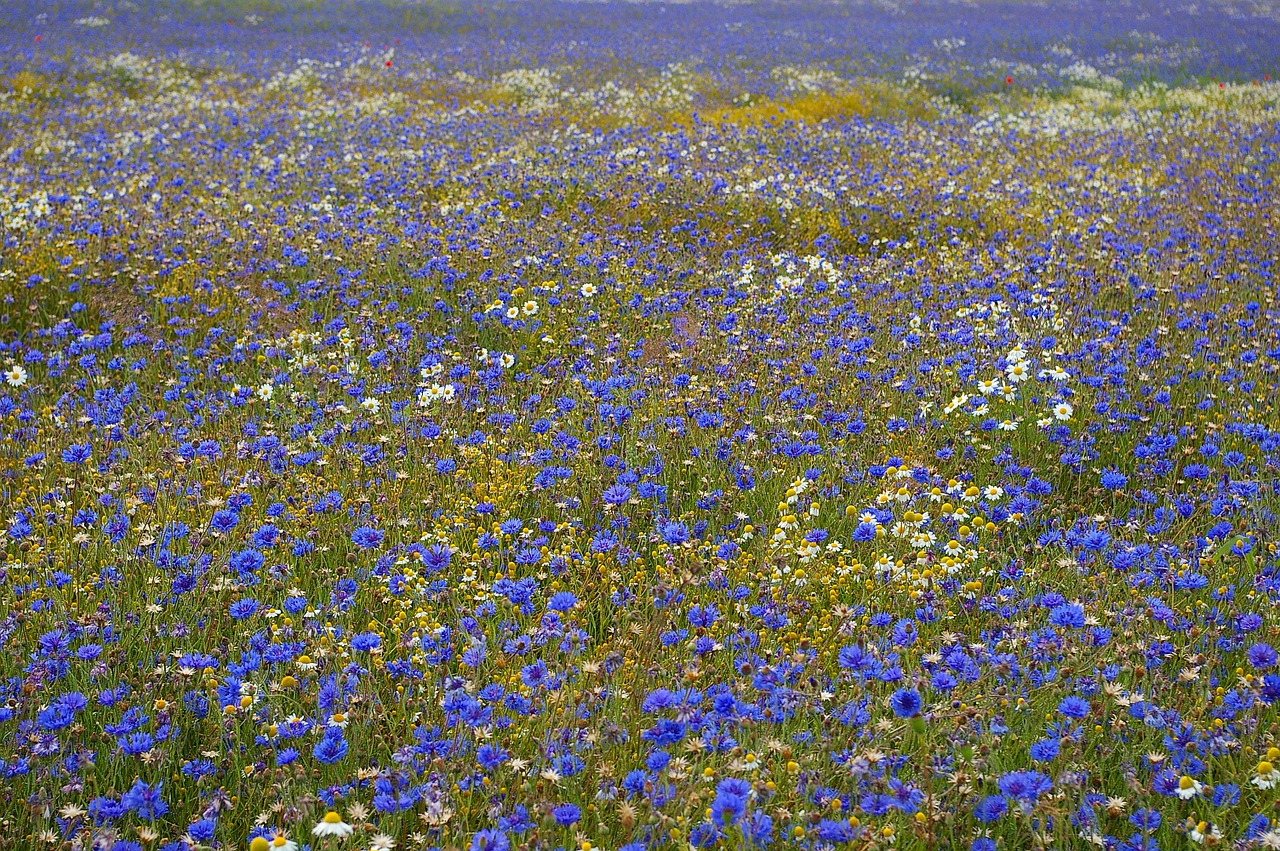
(1045, 750)
(1113, 480)
(366, 537)
(491, 756)
(703, 616)
(566, 814)
(1074, 707)
(562, 601)
(490, 839)
(535, 674)
(245, 608)
(77, 453)
(145, 801)
(1069, 615)
(224, 520)
(674, 533)
(332, 747)
(943, 681)
(990, 808)
(365, 642)
(905, 703)
(202, 830)
(1261, 656)
(1095, 540)
(1025, 786)
(436, 557)
(616, 494)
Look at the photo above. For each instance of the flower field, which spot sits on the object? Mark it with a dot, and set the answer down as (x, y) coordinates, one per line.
(638, 426)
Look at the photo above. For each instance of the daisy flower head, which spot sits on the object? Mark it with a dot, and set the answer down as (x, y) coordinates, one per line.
(277, 842)
(1204, 831)
(1188, 787)
(332, 825)
(1266, 775)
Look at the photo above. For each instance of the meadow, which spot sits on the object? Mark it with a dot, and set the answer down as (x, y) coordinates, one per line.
(639, 426)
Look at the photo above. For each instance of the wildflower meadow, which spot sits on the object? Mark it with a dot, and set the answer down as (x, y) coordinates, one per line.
(638, 426)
